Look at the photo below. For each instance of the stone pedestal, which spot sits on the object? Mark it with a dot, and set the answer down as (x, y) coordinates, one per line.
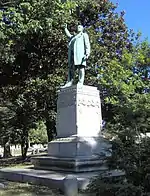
(79, 146)
(78, 112)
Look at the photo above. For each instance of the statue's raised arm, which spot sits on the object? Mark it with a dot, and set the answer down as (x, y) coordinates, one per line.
(67, 32)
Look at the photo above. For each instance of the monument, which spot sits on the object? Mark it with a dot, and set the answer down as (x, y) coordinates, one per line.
(79, 146)
(79, 152)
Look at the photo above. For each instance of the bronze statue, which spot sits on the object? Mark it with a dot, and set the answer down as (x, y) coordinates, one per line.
(78, 53)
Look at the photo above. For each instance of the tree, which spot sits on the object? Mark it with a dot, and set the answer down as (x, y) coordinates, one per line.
(34, 59)
(5, 130)
(129, 122)
(24, 120)
(39, 134)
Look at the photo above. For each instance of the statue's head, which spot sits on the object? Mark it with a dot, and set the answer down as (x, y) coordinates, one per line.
(80, 28)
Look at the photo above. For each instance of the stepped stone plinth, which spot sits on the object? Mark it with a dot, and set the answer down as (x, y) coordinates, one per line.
(79, 146)
(79, 149)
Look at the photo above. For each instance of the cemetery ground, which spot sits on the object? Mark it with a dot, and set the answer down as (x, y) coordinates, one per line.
(8, 188)
(25, 189)
(22, 189)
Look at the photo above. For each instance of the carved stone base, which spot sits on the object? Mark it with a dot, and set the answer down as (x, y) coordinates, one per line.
(76, 146)
(75, 154)
(79, 146)
(78, 112)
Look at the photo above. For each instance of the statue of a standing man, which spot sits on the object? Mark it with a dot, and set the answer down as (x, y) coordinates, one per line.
(78, 53)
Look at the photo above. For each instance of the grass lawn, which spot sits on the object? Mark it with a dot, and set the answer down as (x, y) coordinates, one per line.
(17, 160)
(24, 189)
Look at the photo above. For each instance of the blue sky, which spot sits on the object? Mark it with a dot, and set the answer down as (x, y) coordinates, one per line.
(137, 15)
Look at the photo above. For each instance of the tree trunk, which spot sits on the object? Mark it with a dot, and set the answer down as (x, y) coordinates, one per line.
(7, 152)
(24, 143)
(24, 149)
(51, 129)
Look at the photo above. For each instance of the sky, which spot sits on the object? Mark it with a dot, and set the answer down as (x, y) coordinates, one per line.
(137, 15)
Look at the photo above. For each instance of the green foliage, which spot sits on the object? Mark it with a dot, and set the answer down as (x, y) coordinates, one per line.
(33, 65)
(34, 59)
(114, 187)
(6, 132)
(39, 134)
(127, 113)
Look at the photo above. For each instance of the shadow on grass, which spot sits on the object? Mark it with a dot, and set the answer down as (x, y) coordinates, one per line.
(6, 162)
(24, 189)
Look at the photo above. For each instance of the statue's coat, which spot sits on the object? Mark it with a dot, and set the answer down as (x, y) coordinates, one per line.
(80, 46)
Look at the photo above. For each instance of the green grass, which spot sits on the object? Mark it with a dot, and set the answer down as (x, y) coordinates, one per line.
(24, 189)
